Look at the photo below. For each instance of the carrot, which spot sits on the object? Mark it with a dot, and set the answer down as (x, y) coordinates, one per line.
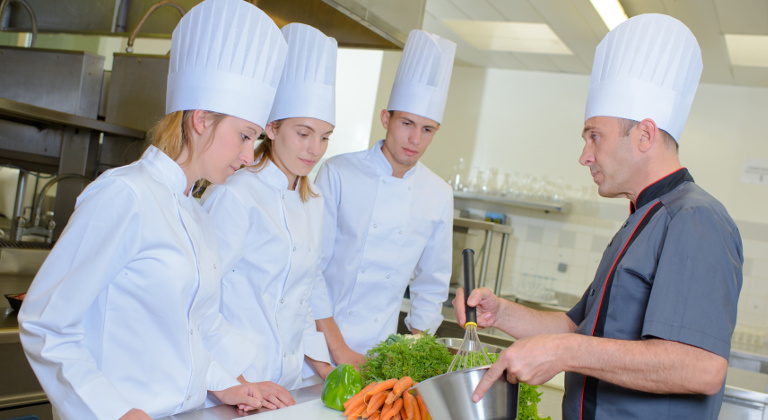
(375, 416)
(376, 402)
(392, 412)
(355, 412)
(399, 387)
(397, 416)
(403, 414)
(359, 396)
(422, 408)
(381, 386)
(354, 407)
(410, 405)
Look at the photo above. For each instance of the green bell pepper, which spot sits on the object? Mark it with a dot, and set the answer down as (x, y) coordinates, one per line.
(341, 384)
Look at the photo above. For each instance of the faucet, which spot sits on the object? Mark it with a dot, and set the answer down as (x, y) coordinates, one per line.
(20, 226)
(132, 37)
(32, 16)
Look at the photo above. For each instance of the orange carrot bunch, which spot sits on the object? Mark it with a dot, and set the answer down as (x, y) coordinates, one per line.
(387, 400)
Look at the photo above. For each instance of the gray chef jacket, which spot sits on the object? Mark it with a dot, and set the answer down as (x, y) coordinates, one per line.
(674, 272)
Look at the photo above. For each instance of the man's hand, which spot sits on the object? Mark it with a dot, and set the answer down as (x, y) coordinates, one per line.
(246, 397)
(135, 414)
(534, 360)
(487, 304)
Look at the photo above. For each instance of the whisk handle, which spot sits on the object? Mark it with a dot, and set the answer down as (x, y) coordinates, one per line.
(469, 283)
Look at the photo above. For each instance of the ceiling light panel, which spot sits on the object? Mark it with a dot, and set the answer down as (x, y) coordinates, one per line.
(536, 38)
(747, 50)
(610, 11)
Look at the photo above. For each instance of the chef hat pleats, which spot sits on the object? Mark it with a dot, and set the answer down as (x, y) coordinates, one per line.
(308, 83)
(647, 67)
(226, 57)
(423, 76)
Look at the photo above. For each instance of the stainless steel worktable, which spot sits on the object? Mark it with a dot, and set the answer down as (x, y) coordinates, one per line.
(308, 406)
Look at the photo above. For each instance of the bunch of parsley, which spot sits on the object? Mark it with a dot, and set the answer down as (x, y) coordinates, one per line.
(420, 358)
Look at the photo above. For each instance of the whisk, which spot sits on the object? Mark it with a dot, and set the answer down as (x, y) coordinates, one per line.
(472, 352)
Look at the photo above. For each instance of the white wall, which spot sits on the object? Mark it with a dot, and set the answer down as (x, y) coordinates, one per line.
(531, 123)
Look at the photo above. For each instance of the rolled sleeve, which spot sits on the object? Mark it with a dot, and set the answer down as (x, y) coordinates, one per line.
(695, 292)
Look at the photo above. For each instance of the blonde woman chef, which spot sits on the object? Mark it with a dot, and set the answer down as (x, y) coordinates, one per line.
(268, 220)
(115, 322)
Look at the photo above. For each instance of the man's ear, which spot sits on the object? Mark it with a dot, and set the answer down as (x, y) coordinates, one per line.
(648, 137)
(199, 121)
(384, 118)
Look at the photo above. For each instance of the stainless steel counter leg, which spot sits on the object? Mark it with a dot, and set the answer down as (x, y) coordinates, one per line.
(17, 220)
(486, 254)
(502, 257)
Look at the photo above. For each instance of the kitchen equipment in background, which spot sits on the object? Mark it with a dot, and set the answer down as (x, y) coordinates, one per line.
(471, 353)
(449, 396)
(463, 225)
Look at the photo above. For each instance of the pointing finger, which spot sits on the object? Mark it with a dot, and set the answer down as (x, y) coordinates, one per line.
(491, 376)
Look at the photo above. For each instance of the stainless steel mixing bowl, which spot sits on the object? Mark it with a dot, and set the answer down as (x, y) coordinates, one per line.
(449, 396)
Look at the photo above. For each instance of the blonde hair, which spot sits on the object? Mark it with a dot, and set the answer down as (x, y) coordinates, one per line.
(172, 133)
(263, 153)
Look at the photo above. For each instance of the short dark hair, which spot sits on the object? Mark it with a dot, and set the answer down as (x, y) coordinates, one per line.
(627, 125)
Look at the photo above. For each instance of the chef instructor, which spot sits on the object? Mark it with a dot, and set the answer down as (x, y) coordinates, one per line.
(387, 217)
(119, 319)
(650, 338)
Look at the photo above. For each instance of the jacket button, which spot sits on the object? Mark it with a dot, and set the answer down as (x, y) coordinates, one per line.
(375, 225)
(350, 312)
(282, 300)
(592, 292)
(387, 275)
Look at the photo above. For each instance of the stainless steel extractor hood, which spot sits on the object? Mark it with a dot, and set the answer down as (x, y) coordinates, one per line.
(380, 24)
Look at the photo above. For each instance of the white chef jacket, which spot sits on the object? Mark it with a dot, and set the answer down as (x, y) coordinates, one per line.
(379, 231)
(116, 316)
(269, 241)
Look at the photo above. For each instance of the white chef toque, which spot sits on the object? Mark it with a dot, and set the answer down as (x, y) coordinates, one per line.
(647, 67)
(226, 57)
(308, 84)
(423, 76)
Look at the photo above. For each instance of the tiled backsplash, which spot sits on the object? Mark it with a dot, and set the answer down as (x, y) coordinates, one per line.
(567, 247)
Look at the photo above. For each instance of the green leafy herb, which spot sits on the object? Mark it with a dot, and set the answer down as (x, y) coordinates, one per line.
(420, 357)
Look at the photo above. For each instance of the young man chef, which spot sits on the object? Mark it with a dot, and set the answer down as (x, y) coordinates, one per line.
(387, 217)
(651, 336)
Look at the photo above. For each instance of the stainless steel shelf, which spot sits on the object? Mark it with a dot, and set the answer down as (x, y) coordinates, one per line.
(546, 208)
(20, 111)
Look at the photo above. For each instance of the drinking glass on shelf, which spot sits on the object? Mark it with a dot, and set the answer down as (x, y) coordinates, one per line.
(491, 185)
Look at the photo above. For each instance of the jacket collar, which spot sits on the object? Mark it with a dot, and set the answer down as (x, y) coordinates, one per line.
(273, 176)
(168, 168)
(661, 187)
(383, 167)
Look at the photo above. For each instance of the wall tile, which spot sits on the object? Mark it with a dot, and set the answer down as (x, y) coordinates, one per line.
(548, 253)
(535, 234)
(759, 268)
(567, 239)
(551, 236)
(583, 241)
(532, 250)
